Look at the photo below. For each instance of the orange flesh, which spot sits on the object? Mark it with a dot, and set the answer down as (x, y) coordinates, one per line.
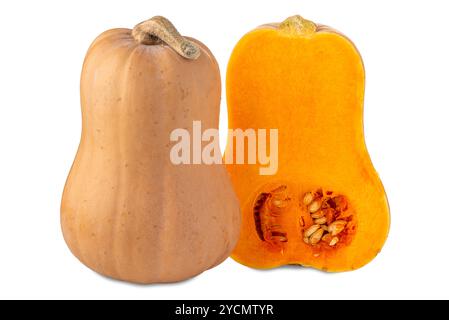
(310, 87)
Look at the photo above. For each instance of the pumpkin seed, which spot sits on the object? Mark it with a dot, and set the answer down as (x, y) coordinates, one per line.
(333, 241)
(308, 198)
(336, 227)
(320, 220)
(314, 207)
(327, 237)
(316, 236)
(312, 229)
(317, 215)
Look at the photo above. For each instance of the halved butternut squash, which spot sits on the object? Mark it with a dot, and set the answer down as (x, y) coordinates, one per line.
(326, 206)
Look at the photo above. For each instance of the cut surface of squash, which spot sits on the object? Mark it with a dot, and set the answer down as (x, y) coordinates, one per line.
(326, 206)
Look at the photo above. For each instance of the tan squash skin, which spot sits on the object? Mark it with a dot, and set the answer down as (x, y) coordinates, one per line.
(127, 212)
(306, 80)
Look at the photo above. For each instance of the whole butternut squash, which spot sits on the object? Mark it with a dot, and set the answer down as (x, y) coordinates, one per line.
(127, 212)
(325, 207)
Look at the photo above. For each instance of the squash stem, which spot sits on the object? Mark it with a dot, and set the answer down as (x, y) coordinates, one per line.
(159, 29)
(298, 25)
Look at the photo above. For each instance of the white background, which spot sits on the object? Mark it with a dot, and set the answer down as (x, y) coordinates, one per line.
(405, 49)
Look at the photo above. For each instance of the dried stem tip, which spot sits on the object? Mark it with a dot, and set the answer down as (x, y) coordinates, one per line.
(298, 25)
(159, 29)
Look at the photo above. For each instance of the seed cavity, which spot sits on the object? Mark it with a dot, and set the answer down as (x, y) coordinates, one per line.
(328, 211)
(268, 210)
